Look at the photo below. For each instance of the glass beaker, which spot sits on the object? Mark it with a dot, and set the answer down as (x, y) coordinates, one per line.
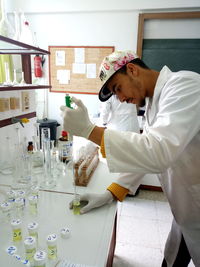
(46, 148)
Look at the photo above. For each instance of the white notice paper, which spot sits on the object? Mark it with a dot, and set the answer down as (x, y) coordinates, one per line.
(60, 58)
(63, 76)
(91, 70)
(79, 54)
(78, 68)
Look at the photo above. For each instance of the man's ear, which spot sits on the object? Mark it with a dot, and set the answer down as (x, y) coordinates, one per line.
(132, 69)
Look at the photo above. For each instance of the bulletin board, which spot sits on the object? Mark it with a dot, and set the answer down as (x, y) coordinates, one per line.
(75, 69)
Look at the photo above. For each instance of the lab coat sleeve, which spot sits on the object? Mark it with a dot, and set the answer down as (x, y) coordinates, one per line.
(105, 112)
(175, 123)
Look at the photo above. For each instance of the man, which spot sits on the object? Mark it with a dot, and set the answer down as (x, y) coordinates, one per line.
(169, 145)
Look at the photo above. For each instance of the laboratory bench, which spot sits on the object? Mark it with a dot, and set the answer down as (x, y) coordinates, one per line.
(92, 235)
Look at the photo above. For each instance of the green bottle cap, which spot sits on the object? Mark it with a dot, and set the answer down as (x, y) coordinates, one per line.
(68, 101)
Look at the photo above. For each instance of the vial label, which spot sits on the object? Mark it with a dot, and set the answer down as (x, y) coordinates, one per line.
(17, 235)
(52, 252)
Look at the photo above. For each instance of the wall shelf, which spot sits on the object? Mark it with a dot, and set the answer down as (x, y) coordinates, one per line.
(11, 47)
(27, 87)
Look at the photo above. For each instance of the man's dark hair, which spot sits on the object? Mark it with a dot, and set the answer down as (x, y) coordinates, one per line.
(136, 61)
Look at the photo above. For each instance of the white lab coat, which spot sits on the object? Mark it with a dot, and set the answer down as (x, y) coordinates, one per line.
(120, 116)
(170, 147)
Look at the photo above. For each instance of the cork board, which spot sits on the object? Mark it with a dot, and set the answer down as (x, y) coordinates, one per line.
(75, 69)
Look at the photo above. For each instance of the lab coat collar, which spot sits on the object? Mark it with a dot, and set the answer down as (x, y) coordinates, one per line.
(161, 81)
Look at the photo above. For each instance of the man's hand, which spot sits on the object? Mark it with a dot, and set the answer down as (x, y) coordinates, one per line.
(94, 201)
(76, 121)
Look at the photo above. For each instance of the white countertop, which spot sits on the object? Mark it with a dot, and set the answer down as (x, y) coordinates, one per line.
(91, 233)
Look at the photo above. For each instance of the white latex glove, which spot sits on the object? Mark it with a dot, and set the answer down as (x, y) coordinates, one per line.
(76, 121)
(94, 201)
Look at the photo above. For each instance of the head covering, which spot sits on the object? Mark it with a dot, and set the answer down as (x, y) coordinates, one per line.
(109, 66)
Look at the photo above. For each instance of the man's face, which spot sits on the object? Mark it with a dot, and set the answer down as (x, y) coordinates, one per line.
(128, 87)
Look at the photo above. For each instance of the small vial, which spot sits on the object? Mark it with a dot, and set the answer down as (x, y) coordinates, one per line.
(52, 246)
(17, 231)
(19, 203)
(76, 205)
(65, 233)
(11, 250)
(33, 200)
(21, 194)
(35, 191)
(11, 195)
(30, 247)
(33, 230)
(40, 259)
(6, 211)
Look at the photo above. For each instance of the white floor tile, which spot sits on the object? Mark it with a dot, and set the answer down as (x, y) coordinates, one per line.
(163, 211)
(138, 232)
(137, 208)
(137, 256)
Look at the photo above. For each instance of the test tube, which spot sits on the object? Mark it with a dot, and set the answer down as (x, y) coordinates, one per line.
(52, 246)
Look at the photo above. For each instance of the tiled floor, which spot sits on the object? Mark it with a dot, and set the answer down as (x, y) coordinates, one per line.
(143, 225)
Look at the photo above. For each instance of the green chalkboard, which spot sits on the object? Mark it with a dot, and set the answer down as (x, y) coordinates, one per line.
(177, 54)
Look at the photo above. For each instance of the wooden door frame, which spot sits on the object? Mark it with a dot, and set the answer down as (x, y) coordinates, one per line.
(169, 15)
